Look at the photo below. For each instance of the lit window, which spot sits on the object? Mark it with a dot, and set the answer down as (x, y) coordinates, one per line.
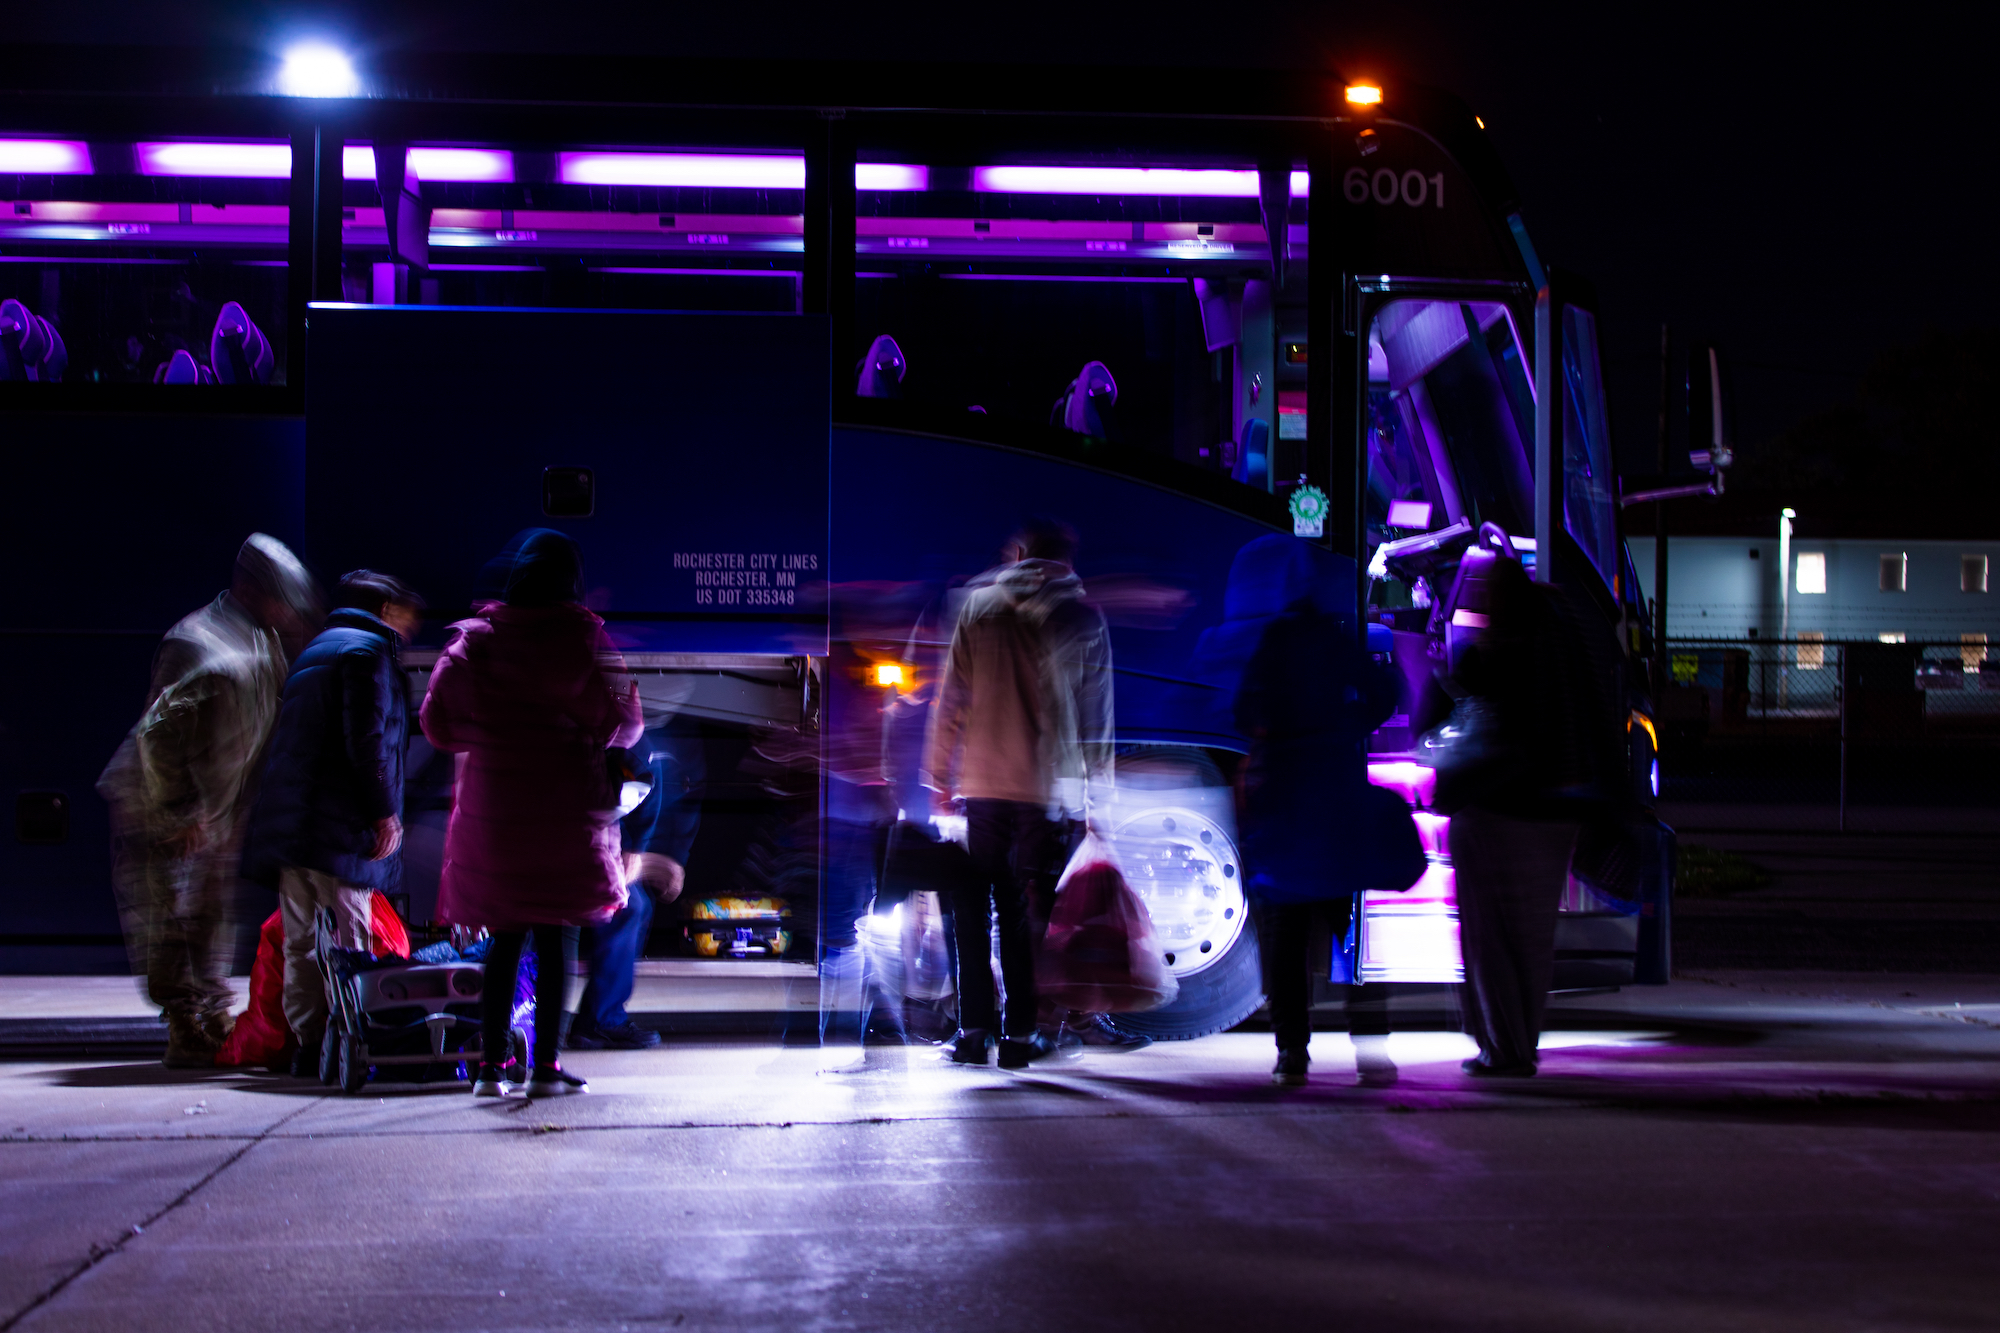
(1972, 650)
(1972, 573)
(1811, 655)
(1812, 571)
(1892, 636)
(1895, 572)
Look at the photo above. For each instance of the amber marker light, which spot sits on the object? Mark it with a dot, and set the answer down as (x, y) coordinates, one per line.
(888, 674)
(1363, 94)
(1644, 724)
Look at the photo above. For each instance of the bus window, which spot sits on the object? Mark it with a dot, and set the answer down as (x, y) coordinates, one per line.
(151, 262)
(585, 227)
(1406, 490)
(1448, 380)
(1002, 284)
(1590, 507)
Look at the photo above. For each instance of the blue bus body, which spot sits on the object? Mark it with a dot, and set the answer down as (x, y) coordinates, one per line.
(760, 539)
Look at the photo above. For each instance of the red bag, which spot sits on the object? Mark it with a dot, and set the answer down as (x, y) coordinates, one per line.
(1100, 955)
(261, 1034)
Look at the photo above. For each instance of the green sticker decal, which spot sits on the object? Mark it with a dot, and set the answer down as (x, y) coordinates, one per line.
(1309, 512)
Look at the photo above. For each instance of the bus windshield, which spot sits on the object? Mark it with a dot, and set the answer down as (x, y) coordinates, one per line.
(1450, 412)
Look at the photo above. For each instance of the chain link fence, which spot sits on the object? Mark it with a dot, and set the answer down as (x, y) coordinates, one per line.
(1811, 721)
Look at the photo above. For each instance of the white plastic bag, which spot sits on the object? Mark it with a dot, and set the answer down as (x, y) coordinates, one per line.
(1100, 954)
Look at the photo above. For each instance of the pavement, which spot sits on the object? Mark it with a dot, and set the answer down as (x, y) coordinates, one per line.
(1738, 1150)
(1902, 889)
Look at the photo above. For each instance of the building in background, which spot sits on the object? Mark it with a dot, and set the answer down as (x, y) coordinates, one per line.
(1842, 589)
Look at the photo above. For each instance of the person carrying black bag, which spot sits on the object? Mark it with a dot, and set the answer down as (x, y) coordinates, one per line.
(1548, 763)
(1308, 699)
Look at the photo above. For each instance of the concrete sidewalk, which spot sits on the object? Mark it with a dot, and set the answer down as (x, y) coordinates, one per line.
(107, 1016)
(1734, 1151)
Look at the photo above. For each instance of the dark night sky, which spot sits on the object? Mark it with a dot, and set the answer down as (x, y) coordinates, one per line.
(1801, 190)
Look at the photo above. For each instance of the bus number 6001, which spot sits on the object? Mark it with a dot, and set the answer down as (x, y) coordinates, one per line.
(1386, 187)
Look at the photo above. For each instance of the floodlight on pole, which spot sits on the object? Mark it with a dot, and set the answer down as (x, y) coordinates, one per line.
(314, 69)
(1785, 518)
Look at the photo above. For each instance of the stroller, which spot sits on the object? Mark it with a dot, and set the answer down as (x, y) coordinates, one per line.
(386, 1012)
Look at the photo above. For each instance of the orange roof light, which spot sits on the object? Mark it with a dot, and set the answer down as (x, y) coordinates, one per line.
(1363, 94)
(888, 674)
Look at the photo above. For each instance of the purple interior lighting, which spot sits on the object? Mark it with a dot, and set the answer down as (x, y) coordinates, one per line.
(788, 275)
(698, 170)
(1177, 181)
(1182, 182)
(891, 176)
(267, 161)
(95, 261)
(357, 163)
(44, 157)
(1412, 781)
(721, 171)
(1052, 277)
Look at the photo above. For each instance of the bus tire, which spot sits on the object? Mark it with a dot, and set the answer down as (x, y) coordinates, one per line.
(1215, 999)
(1229, 990)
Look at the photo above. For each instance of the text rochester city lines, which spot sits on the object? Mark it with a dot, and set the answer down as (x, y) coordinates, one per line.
(746, 578)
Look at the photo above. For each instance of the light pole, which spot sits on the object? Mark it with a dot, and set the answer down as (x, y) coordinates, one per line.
(1785, 518)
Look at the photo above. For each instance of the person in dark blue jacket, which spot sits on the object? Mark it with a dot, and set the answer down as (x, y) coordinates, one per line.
(657, 838)
(328, 822)
(1307, 700)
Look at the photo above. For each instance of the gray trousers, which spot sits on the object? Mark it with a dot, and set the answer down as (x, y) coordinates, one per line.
(301, 893)
(175, 911)
(1510, 875)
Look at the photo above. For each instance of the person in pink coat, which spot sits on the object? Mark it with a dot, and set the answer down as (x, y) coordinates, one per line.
(532, 695)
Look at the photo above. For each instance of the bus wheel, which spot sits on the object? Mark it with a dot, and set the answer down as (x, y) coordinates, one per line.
(1175, 832)
(1213, 1000)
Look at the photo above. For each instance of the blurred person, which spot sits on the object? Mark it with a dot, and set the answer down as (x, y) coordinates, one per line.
(656, 839)
(872, 753)
(1556, 761)
(182, 783)
(531, 694)
(1022, 726)
(328, 824)
(1308, 699)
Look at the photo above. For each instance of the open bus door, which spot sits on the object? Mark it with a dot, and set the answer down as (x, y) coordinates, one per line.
(1582, 546)
(1464, 430)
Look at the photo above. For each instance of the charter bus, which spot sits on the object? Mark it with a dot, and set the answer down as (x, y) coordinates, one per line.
(791, 350)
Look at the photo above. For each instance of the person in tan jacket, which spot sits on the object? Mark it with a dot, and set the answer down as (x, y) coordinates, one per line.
(181, 786)
(1023, 725)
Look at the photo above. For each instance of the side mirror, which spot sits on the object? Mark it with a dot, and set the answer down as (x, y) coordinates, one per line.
(1708, 424)
(1706, 418)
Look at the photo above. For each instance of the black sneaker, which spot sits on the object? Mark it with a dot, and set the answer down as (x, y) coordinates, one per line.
(1096, 1031)
(1018, 1052)
(1480, 1067)
(305, 1060)
(1290, 1071)
(554, 1081)
(496, 1080)
(626, 1036)
(969, 1048)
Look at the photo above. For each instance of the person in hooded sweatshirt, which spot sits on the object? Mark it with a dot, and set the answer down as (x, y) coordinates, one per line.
(328, 824)
(532, 694)
(1022, 726)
